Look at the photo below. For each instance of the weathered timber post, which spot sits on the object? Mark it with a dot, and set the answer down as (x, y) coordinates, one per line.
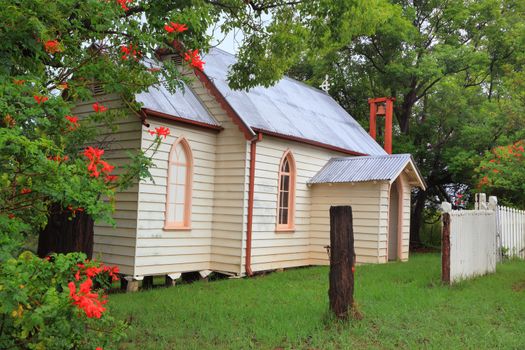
(445, 243)
(342, 259)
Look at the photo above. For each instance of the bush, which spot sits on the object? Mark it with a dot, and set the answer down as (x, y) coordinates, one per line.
(51, 303)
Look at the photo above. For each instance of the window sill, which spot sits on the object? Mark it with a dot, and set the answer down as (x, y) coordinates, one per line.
(177, 228)
(285, 229)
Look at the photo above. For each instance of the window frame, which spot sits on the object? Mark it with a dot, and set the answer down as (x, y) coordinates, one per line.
(290, 226)
(186, 222)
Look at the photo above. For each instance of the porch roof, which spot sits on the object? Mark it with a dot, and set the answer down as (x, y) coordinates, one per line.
(369, 168)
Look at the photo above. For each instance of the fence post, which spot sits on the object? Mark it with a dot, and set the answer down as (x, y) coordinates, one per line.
(342, 259)
(445, 243)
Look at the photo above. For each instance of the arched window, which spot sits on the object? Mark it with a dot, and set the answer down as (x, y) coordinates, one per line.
(286, 193)
(178, 196)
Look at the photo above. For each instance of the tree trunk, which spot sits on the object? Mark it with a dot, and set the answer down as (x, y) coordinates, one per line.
(66, 234)
(416, 219)
(404, 111)
(342, 260)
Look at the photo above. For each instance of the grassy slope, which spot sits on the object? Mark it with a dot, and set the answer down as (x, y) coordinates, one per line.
(403, 304)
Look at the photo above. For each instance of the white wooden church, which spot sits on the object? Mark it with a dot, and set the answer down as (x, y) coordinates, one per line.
(245, 180)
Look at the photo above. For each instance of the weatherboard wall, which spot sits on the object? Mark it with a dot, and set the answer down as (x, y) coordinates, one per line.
(165, 251)
(368, 201)
(230, 189)
(405, 223)
(115, 244)
(273, 249)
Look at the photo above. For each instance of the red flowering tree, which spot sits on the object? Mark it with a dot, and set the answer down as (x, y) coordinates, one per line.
(502, 173)
(56, 303)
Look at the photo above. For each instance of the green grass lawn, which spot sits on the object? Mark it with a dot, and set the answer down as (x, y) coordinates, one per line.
(403, 304)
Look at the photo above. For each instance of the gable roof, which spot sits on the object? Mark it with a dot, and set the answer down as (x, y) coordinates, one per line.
(290, 108)
(183, 104)
(366, 169)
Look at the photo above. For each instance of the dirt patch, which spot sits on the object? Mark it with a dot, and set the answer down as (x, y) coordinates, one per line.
(519, 286)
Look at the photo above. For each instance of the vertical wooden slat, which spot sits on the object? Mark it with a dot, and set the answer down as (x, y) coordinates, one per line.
(445, 249)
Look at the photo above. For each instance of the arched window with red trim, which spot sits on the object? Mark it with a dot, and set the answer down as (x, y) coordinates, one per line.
(286, 193)
(178, 196)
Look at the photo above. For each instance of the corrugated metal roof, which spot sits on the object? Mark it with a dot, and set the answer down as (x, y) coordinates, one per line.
(183, 103)
(291, 108)
(362, 169)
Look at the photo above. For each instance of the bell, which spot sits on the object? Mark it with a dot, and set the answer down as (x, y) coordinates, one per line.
(381, 109)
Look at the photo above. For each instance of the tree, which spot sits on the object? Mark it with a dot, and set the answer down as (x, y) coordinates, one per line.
(53, 52)
(448, 64)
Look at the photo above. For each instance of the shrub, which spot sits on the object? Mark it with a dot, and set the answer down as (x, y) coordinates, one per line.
(51, 303)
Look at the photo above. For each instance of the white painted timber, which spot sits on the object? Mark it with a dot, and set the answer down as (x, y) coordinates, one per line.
(511, 230)
(115, 244)
(472, 243)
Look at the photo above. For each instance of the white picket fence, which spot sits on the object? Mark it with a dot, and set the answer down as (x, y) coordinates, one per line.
(475, 240)
(473, 246)
(510, 233)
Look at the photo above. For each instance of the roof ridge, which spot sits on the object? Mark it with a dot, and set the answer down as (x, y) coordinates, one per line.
(284, 76)
(396, 155)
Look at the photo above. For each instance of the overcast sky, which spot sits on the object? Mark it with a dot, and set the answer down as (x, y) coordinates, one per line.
(229, 43)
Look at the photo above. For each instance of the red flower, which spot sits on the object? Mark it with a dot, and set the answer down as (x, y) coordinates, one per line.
(194, 59)
(52, 46)
(160, 131)
(112, 272)
(106, 168)
(175, 27)
(74, 122)
(124, 4)
(129, 51)
(25, 190)
(110, 178)
(93, 271)
(459, 196)
(18, 82)
(11, 216)
(99, 348)
(93, 153)
(86, 300)
(40, 99)
(98, 108)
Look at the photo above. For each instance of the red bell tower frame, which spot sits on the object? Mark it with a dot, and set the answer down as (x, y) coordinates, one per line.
(382, 106)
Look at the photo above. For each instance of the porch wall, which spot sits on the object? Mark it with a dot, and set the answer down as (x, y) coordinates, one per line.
(369, 205)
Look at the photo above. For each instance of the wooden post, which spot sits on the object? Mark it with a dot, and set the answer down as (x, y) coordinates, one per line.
(123, 283)
(132, 284)
(445, 244)
(171, 279)
(342, 259)
(147, 282)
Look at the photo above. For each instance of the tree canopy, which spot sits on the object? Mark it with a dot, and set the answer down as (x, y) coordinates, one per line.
(456, 71)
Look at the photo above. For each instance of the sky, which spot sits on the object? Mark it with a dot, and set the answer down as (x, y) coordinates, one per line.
(229, 42)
